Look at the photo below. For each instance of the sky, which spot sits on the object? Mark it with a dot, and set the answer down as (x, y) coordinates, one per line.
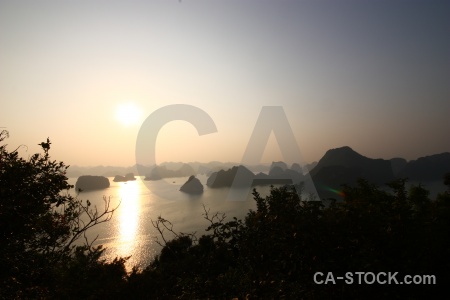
(372, 75)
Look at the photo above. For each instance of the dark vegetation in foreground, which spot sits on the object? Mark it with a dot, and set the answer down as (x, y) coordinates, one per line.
(273, 253)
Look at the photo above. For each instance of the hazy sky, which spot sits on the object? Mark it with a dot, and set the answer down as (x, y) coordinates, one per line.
(373, 75)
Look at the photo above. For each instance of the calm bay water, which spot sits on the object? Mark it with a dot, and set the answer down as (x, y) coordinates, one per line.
(130, 231)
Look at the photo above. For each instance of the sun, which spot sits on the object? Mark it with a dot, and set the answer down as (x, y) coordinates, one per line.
(128, 114)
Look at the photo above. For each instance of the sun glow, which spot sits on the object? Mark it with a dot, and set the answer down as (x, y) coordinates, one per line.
(128, 114)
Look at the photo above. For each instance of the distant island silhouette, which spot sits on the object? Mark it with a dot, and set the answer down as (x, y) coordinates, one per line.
(89, 182)
(279, 174)
(127, 177)
(160, 172)
(338, 166)
(199, 168)
(192, 186)
(345, 166)
(224, 178)
(427, 168)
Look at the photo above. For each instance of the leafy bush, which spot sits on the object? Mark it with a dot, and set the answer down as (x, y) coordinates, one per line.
(277, 249)
(40, 223)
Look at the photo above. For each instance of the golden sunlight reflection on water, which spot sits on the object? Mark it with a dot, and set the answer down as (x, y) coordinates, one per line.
(130, 232)
(129, 236)
(128, 214)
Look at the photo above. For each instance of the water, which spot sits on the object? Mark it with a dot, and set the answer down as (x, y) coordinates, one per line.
(130, 231)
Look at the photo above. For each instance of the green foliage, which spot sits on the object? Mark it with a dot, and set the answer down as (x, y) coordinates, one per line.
(39, 225)
(86, 276)
(276, 250)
